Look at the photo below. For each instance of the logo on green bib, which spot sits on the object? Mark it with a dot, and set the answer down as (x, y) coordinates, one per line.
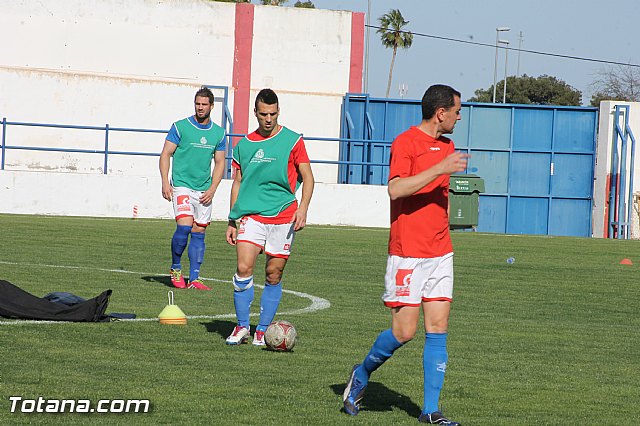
(259, 157)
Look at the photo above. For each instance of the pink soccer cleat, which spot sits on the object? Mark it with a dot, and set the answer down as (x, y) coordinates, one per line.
(198, 285)
(176, 278)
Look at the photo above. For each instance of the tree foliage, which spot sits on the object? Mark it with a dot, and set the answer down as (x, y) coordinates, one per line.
(542, 90)
(303, 4)
(620, 83)
(393, 36)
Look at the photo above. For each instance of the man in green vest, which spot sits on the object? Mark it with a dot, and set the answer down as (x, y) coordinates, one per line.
(192, 142)
(269, 164)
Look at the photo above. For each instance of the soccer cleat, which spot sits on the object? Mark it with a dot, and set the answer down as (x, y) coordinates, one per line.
(239, 336)
(198, 285)
(258, 338)
(176, 278)
(436, 418)
(353, 393)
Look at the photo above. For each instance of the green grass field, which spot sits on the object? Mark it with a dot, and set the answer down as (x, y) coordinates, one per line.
(553, 338)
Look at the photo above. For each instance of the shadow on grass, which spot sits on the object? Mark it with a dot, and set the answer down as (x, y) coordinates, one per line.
(221, 327)
(380, 398)
(224, 328)
(162, 279)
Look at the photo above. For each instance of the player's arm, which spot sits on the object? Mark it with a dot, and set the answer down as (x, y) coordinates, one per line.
(308, 182)
(216, 177)
(400, 187)
(232, 231)
(165, 160)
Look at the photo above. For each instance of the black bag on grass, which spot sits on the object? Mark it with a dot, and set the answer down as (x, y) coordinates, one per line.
(16, 303)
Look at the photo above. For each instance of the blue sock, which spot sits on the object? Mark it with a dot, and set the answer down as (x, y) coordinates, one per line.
(269, 302)
(382, 349)
(196, 254)
(242, 297)
(178, 244)
(434, 360)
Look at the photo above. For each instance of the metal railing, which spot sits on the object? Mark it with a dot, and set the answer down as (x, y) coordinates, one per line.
(621, 197)
(107, 152)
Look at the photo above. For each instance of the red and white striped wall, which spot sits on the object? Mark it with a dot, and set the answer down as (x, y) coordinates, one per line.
(310, 57)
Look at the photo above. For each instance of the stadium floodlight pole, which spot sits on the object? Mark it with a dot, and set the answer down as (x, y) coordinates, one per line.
(495, 65)
(506, 59)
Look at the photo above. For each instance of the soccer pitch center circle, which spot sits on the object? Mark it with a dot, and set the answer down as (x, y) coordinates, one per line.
(317, 303)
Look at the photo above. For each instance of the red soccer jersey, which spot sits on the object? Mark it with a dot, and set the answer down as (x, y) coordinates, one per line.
(420, 222)
(298, 155)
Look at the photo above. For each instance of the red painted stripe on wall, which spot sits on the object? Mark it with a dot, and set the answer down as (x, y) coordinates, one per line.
(357, 52)
(242, 67)
(606, 207)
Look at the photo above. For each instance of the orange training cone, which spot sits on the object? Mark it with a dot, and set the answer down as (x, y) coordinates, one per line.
(626, 262)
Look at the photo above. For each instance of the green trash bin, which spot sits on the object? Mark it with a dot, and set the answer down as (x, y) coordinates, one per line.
(464, 200)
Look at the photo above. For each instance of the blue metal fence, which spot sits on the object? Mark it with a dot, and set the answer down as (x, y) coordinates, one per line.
(105, 152)
(225, 120)
(537, 161)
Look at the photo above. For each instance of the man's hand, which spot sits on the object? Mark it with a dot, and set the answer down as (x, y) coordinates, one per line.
(299, 219)
(232, 233)
(403, 187)
(167, 191)
(207, 196)
(453, 163)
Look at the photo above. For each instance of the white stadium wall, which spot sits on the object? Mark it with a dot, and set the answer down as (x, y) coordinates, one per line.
(97, 195)
(604, 153)
(308, 78)
(87, 62)
(137, 64)
(89, 100)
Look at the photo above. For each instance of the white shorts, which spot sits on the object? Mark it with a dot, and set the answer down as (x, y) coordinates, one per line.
(186, 202)
(410, 281)
(274, 239)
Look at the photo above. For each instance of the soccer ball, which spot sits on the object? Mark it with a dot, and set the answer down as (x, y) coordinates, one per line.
(280, 336)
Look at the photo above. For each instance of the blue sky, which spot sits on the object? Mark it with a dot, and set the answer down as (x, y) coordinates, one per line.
(584, 28)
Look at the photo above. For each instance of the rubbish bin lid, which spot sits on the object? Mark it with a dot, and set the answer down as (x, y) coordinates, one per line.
(466, 183)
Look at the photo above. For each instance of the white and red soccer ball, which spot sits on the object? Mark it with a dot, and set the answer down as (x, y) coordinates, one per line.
(280, 336)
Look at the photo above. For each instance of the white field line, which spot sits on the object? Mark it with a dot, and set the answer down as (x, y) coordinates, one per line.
(161, 219)
(317, 303)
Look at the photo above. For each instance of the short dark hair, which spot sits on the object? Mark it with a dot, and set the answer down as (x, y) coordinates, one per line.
(266, 96)
(205, 92)
(437, 96)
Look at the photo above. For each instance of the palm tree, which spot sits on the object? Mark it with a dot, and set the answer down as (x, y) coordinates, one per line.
(393, 36)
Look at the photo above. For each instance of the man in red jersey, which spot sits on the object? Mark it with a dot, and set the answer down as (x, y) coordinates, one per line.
(269, 164)
(420, 263)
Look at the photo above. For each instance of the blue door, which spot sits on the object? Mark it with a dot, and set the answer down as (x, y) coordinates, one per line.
(537, 162)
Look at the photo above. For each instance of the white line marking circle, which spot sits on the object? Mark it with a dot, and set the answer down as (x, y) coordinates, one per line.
(317, 303)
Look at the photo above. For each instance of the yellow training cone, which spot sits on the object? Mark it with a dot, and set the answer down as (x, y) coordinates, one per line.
(172, 314)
